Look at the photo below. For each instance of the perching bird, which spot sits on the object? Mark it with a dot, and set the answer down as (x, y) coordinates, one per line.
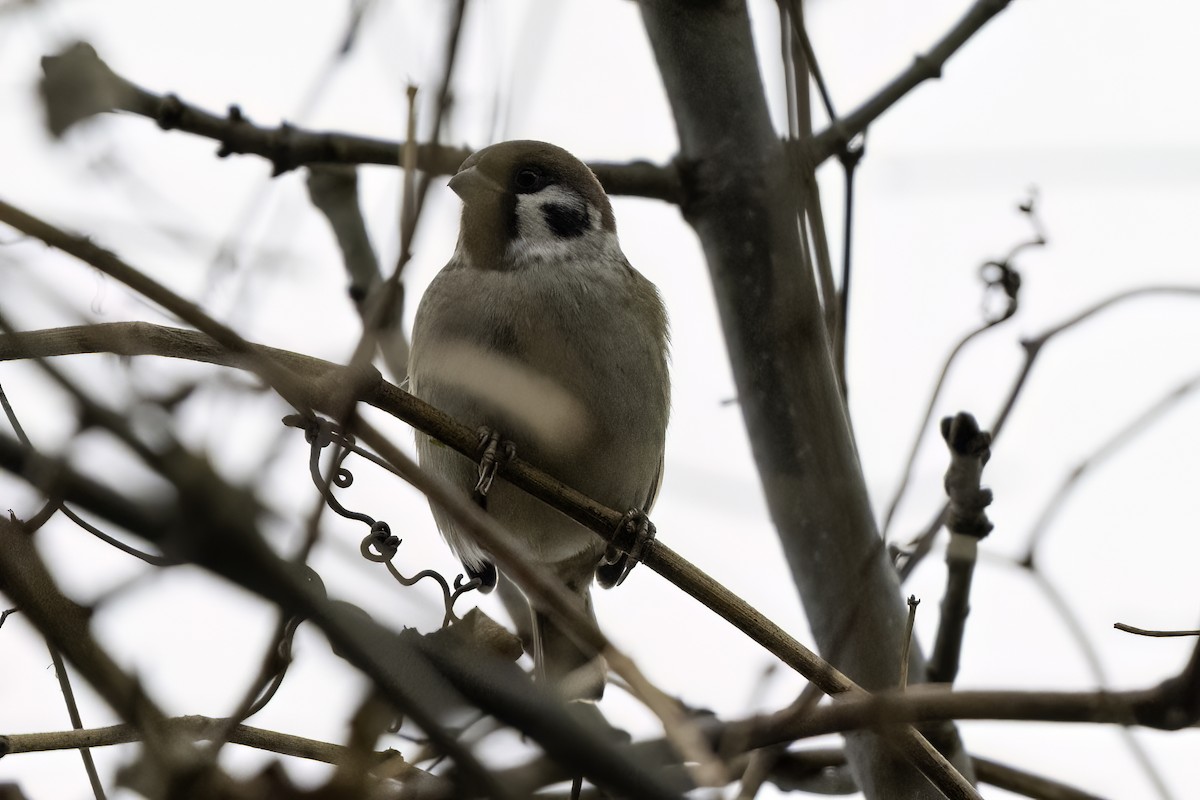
(539, 332)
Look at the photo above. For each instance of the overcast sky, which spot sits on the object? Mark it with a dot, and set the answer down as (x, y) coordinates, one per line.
(1091, 102)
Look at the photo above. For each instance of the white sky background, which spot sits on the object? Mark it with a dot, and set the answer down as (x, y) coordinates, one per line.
(1092, 102)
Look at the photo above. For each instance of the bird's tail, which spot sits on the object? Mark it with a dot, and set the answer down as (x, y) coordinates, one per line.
(571, 670)
(575, 673)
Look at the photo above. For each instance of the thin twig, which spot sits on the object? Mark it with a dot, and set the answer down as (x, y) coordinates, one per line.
(1159, 708)
(1033, 348)
(192, 477)
(270, 677)
(814, 240)
(924, 67)
(341, 396)
(806, 770)
(1027, 784)
(146, 339)
(1001, 275)
(800, 30)
(1091, 656)
(414, 203)
(913, 602)
(68, 693)
(606, 522)
(1126, 434)
(65, 625)
(196, 728)
(142, 338)
(53, 506)
(1121, 626)
(906, 476)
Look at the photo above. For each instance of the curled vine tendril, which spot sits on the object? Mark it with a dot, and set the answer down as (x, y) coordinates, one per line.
(1001, 279)
(380, 545)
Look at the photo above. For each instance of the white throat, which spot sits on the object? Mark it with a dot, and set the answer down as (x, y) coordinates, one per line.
(537, 241)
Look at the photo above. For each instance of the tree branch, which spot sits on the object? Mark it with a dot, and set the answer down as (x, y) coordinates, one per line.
(65, 624)
(741, 198)
(797, 769)
(143, 338)
(426, 677)
(830, 141)
(606, 522)
(1170, 706)
(199, 728)
(78, 84)
(968, 524)
(240, 555)
(921, 544)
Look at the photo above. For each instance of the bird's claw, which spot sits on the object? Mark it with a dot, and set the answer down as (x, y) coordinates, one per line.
(485, 574)
(494, 452)
(633, 535)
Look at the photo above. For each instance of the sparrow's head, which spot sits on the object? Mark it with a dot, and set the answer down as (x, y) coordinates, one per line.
(525, 202)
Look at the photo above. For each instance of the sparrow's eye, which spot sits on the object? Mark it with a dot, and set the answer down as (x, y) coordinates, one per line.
(529, 179)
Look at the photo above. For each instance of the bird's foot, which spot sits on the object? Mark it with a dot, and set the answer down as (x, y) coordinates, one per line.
(485, 574)
(494, 452)
(633, 535)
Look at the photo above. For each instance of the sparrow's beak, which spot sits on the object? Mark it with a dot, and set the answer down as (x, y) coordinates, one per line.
(470, 184)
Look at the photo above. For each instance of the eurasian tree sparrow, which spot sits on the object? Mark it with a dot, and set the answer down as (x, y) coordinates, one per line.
(539, 330)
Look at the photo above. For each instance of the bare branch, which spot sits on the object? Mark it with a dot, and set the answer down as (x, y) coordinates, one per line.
(147, 339)
(79, 79)
(1169, 706)
(913, 602)
(333, 189)
(195, 728)
(141, 338)
(68, 693)
(968, 523)
(194, 477)
(922, 543)
(798, 770)
(1121, 626)
(999, 277)
(924, 67)
(65, 624)
(743, 198)
(1033, 346)
(1027, 784)
(1109, 447)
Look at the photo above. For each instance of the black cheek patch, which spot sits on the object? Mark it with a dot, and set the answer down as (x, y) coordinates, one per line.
(566, 221)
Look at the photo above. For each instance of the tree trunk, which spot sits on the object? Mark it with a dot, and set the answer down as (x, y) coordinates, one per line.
(741, 199)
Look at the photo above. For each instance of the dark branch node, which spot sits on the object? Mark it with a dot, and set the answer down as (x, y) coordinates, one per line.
(930, 67)
(852, 150)
(170, 112)
(970, 449)
(281, 150)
